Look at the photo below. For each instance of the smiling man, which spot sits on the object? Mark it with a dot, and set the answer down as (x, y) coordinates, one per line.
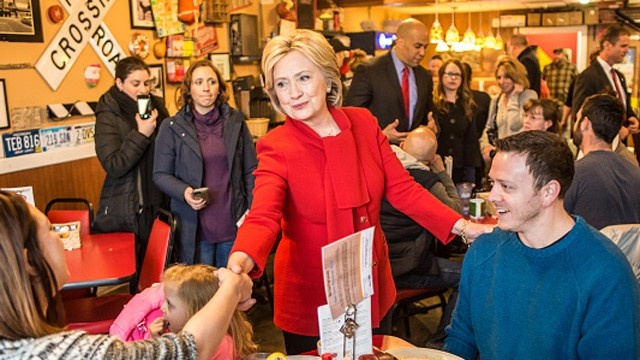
(394, 86)
(545, 285)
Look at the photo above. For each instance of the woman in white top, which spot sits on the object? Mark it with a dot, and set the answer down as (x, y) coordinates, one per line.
(506, 113)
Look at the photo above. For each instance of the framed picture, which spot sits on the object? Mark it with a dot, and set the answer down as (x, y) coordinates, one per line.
(141, 15)
(222, 62)
(4, 107)
(20, 21)
(157, 80)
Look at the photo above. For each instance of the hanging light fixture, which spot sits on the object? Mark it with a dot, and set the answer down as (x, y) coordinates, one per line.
(436, 29)
(452, 36)
(442, 47)
(499, 43)
(480, 35)
(490, 40)
(469, 38)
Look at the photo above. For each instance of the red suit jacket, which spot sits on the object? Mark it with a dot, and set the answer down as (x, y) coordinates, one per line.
(318, 190)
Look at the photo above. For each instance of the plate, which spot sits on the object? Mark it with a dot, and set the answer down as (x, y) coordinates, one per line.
(422, 354)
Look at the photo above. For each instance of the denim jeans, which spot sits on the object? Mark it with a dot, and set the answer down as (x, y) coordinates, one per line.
(213, 254)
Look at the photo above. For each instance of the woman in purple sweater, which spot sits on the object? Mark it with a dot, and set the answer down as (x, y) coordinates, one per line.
(205, 145)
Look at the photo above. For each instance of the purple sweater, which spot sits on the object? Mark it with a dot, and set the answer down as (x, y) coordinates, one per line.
(215, 222)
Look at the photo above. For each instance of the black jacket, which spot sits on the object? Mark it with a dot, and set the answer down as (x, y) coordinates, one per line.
(529, 59)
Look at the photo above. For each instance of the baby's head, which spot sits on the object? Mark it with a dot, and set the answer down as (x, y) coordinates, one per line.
(187, 289)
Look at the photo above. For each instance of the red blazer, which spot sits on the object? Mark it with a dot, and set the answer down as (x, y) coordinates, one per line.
(318, 190)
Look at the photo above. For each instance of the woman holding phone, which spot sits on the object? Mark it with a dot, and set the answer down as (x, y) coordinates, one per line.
(204, 161)
(124, 141)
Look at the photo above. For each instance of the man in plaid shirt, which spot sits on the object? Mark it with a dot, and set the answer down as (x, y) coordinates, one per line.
(559, 75)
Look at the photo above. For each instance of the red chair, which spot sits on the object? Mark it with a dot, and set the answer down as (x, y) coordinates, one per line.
(61, 216)
(408, 304)
(58, 216)
(95, 315)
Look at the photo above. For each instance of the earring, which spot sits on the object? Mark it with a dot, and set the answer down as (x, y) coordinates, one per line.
(328, 90)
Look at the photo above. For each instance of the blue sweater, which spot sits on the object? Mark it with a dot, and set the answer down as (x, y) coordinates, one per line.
(576, 299)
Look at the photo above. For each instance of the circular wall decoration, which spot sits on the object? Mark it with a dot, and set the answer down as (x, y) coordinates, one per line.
(160, 49)
(139, 46)
(55, 13)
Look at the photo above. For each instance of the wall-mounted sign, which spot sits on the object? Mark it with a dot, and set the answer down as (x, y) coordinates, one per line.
(83, 25)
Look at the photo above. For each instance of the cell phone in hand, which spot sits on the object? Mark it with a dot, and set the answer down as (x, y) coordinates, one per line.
(144, 106)
(202, 193)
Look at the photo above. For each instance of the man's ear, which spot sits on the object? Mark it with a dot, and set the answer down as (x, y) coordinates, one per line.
(550, 192)
(30, 269)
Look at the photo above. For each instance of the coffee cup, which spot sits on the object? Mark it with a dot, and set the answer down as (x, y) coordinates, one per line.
(476, 208)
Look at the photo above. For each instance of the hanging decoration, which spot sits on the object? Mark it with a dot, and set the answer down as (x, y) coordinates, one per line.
(499, 43)
(480, 35)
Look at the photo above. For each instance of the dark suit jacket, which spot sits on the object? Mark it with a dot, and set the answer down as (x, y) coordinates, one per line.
(375, 86)
(529, 59)
(594, 80)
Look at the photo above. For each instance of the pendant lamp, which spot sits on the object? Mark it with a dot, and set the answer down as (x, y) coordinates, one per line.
(469, 38)
(452, 36)
(436, 32)
(499, 43)
(480, 35)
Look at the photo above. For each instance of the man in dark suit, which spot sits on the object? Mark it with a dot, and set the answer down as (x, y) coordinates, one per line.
(377, 84)
(597, 78)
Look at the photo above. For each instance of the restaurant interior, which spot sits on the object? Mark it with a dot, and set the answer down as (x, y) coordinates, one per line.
(52, 104)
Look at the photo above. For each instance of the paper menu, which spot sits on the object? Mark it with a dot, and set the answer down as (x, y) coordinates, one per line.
(333, 341)
(347, 268)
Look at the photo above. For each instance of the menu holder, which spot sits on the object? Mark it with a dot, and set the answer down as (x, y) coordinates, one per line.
(69, 234)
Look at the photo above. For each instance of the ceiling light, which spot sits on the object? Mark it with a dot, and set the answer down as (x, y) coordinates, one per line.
(452, 35)
(436, 31)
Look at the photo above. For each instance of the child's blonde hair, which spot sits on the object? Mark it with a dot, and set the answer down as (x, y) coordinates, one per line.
(196, 286)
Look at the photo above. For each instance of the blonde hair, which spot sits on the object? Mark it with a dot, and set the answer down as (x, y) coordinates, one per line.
(23, 314)
(513, 70)
(196, 286)
(316, 48)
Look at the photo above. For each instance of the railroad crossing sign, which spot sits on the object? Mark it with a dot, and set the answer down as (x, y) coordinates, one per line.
(83, 25)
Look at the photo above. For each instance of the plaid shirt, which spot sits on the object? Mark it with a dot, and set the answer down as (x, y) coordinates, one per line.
(559, 77)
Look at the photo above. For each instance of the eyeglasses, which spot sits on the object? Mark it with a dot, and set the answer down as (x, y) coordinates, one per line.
(453, 75)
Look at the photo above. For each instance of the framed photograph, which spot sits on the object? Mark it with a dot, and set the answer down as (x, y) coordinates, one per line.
(222, 62)
(4, 107)
(157, 80)
(141, 15)
(20, 21)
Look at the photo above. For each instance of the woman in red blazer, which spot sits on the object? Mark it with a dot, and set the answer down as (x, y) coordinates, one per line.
(320, 177)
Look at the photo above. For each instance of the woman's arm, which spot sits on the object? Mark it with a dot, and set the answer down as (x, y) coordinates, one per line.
(119, 150)
(164, 164)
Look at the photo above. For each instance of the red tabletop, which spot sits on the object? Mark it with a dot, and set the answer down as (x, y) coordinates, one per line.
(103, 259)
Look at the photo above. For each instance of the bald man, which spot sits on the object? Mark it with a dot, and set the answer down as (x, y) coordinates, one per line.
(377, 83)
(413, 263)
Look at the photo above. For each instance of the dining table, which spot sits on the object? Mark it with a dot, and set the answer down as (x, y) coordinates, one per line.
(102, 259)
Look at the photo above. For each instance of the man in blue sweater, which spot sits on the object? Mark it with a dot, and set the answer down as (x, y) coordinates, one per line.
(545, 285)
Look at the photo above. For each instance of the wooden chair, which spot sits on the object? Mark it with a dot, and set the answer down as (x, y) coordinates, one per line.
(95, 315)
(406, 304)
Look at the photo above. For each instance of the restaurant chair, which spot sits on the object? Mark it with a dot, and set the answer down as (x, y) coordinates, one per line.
(59, 216)
(627, 238)
(409, 303)
(95, 315)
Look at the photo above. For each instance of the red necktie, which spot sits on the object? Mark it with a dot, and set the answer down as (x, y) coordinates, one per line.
(405, 90)
(614, 76)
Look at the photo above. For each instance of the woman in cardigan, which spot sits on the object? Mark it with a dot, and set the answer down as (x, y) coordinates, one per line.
(206, 144)
(454, 107)
(506, 113)
(124, 145)
(32, 319)
(321, 176)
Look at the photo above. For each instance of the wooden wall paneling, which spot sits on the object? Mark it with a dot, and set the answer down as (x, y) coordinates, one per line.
(81, 178)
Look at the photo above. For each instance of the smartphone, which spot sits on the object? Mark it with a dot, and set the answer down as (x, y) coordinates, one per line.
(202, 193)
(144, 106)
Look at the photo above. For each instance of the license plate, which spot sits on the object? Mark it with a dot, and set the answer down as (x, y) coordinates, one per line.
(84, 133)
(55, 138)
(21, 143)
